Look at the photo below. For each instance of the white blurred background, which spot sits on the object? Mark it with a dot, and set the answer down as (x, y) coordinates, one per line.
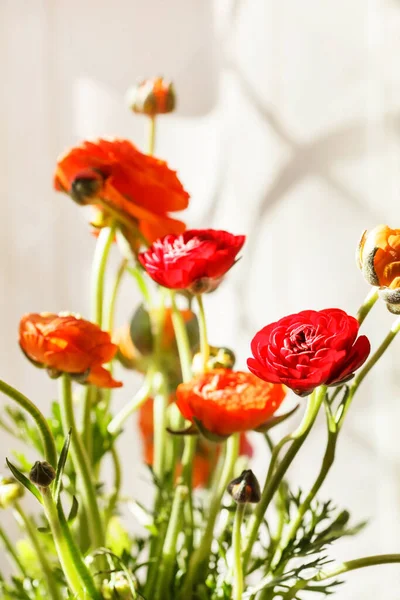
(287, 130)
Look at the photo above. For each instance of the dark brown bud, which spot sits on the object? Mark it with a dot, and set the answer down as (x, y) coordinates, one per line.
(245, 488)
(42, 474)
(86, 186)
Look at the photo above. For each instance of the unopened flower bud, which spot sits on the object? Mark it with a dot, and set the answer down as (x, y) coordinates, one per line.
(10, 491)
(117, 587)
(245, 488)
(220, 358)
(42, 474)
(378, 257)
(152, 97)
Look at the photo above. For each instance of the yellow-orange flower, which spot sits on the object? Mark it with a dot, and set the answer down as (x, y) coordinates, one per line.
(137, 190)
(378, 257)
(152, 97)
(223, 402)
(65, 343)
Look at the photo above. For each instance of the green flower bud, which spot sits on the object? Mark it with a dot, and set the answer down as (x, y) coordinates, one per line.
(116, 588)
(10, 491)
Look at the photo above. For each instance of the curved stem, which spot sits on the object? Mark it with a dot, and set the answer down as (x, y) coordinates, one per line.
(272, 482)
(110, 313)
(81, 463)
(49, 445)
(137, 273)
(141, 395)
(327, 462)
(205, 348)
(394, 330)
(10, 549)
(368, 303)
(346, 567)
(237, 552)
(31, 530)
(74, 568)
(202, 552)
(103, 246)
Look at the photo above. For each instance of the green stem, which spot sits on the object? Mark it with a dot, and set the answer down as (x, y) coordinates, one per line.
(117, 484)
(31, 530)
(81, 463)
(395, 328)
(138, 274)
(74, 568)
(103, 246)
(182, 340)
(275, 477)
(237, 552)
(169, 548)
(205, 348)
(9, 546)
(327, 462)
(368, 303)
(49, 445)
(89, 394)
(139, 398)
(161, 399)
(346, 567)
(152, 135)
(202, 552)
(110, 313)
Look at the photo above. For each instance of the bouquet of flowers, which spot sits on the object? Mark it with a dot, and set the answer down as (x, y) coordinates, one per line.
(214, 532)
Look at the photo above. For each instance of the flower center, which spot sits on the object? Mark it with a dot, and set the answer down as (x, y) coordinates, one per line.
(300, 339)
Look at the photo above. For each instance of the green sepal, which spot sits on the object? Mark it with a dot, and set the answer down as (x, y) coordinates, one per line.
(212, 437)
(24, 481)
(275, 421)
(191, 430)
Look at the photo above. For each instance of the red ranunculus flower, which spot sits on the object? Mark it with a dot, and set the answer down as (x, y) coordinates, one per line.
(125, 184)
(225, 402)
(65, 343)
(195, 260)
(309, 349)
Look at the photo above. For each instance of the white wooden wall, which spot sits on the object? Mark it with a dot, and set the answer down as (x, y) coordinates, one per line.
(288, 130)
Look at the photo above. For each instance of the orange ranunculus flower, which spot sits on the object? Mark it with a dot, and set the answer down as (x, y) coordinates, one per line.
(223, 402)
(152, 97)
(135, 189)
(379, 259)
(206, 452)
(65, 343)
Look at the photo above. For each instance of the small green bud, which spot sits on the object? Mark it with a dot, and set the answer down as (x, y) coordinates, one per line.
(245, 488)
(42, 474)
(10, 491)
(220, 358)
(116, 588)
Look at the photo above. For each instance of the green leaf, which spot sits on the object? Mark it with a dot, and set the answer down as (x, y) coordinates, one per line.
(60, 467)
(24, 481)
(74, 510)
